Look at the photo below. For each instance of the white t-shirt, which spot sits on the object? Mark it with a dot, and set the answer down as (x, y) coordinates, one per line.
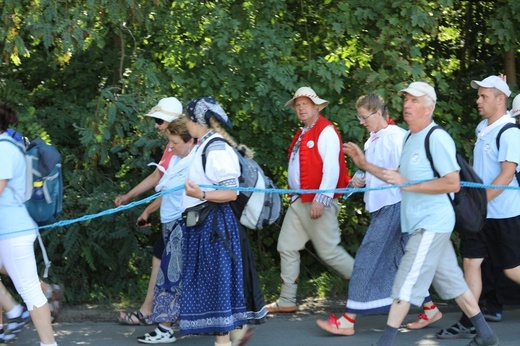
(383, 149)
(487, 163)
(174, 177)
(15, 220)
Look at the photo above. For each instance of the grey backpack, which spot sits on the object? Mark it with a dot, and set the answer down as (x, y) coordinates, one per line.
(254, 209)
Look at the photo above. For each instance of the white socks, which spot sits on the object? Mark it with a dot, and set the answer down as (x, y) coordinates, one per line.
(169, 329)
(430, 311)
(15, 312)
(346, 322)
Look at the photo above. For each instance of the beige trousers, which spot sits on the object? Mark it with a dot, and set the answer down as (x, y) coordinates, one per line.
(298, 228)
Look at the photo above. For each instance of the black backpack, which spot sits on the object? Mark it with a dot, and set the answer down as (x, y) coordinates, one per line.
(504, 128)
(469, 204)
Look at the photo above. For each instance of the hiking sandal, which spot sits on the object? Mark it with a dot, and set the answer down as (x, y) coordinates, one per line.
(134, 318)
(159, 336)
(456, 331)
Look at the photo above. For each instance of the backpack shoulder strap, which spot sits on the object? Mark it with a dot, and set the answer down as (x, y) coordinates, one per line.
(13, 143)
(429, 154)
(427, 148)
(504, 128)
(203, 155)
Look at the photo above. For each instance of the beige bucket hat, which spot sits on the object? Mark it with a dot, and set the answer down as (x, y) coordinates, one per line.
(311, 94)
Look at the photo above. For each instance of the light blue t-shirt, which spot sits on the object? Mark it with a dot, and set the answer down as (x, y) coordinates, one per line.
(487, 163)
(15, 220)
(433, 212)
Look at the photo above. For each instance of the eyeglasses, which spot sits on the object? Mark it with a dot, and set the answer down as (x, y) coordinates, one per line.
(158, 121)
(363, 118)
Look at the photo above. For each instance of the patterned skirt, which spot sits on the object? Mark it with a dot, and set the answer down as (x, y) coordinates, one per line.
(376, 263)
(213, 287)
(167, 291)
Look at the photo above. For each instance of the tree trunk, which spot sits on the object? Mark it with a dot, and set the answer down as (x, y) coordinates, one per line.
(510, 68)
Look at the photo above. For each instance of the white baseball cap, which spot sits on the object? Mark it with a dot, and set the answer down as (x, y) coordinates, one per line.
(515, 111)
(419, 89)
(168, 109)
(492, 82)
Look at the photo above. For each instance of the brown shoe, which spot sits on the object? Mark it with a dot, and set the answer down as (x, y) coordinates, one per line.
(274, 308)
(423, 321)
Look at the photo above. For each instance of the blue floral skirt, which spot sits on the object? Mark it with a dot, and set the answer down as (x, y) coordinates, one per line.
(212, 292)
(168, 287)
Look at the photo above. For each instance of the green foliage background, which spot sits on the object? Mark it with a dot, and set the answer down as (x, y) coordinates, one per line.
(83, 73)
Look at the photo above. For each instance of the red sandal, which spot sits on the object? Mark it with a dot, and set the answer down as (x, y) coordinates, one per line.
(423, 320)
(332, 326)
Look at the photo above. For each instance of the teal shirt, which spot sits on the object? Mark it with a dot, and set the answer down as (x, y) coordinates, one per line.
(433, 212)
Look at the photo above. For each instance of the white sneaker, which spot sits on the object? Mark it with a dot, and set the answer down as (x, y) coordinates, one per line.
(15, 325)
(6, 337)
(160, 335)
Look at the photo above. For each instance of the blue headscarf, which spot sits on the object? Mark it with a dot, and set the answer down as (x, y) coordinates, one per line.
(202, 108)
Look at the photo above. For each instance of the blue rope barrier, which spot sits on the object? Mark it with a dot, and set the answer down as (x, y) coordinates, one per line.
(251, 189)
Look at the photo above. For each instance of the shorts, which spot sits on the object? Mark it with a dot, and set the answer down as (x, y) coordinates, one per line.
(498, 241)
(429, 258)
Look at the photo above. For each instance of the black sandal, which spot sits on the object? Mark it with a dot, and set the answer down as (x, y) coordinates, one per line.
(128, 318)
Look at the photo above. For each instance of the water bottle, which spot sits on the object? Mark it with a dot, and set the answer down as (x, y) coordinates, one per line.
(38, 194)
(360, 174)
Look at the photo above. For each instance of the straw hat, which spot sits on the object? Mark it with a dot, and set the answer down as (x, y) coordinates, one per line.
(311, 94)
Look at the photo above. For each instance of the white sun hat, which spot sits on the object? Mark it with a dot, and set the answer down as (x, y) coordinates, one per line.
(311, 94)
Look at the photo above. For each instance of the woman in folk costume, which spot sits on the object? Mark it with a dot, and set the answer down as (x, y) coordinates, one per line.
(216, 253)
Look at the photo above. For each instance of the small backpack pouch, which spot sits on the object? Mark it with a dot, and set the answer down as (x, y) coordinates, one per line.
(196, 216)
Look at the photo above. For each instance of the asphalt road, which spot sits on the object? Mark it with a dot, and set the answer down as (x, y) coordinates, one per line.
(282, 329)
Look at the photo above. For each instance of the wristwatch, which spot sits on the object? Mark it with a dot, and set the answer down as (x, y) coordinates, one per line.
(203, 198)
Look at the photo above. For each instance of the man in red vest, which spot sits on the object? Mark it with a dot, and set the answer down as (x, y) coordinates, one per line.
(316, 162)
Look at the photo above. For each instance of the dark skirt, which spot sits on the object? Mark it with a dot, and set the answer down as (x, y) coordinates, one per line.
(254, 298)
(212, 289)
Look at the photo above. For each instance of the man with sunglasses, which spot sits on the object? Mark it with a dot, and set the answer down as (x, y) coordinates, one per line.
(167, 110)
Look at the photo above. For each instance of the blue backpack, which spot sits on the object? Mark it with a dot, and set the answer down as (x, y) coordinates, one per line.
(44, 191)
